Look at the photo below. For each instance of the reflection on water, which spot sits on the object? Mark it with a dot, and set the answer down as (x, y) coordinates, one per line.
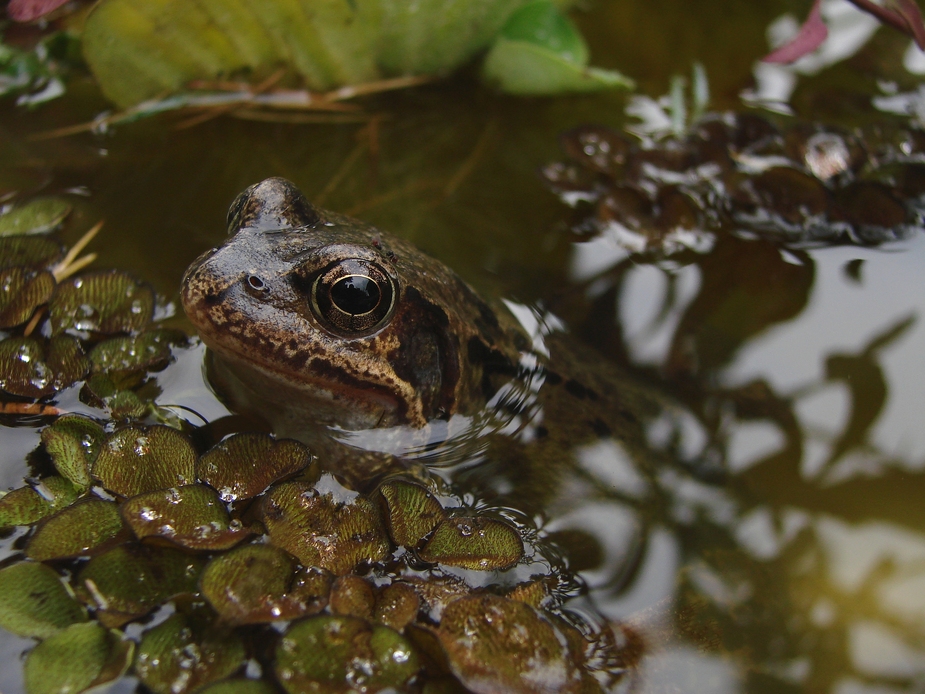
(768, 534)
(790, 550)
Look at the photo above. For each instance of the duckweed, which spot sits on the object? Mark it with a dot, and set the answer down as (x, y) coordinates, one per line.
(37, 216)
(101, 302)
(261, 583)
(245, 465)
(34, 601)
(182, 654)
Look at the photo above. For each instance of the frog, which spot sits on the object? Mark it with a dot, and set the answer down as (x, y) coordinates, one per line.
(328, 327)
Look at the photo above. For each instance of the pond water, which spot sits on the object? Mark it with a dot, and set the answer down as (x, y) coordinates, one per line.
(783, 548)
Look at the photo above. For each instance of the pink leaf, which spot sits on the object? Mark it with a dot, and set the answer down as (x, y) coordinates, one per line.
(30, 10)
(808, 38)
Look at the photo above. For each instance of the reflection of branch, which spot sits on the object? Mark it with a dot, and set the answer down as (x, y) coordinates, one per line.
(863, 377)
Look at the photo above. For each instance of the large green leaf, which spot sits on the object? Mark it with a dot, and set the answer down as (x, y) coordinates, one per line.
(145, 49)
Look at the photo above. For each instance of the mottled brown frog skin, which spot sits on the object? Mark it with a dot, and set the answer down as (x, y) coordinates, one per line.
(316, 317)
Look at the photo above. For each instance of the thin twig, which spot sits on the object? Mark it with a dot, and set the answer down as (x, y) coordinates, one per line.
(229, 102)
(298, 118)
(69, 264)
(221, 110)
(34, 321)
(472, 160)
(30, 408)
(420, 184)
(341, 173)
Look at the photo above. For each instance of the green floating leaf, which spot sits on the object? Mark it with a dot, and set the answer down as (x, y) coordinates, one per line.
(245, 465)
(74, 442)
(411, 512)
(37, 216)
(321, 532)
(21, 292)
(131, 580)
(543, 24)
(35, 602)
(28, 505)
(141, 51)
(192, 516)
(474, 543)
(181, 654)
(341, 654)
(138, 51)
(261, 583)
(126, 405)
(397, 606)
(34, 252)
(499, 645)
(438, 36)
(147, 351)
(77, 530)
(35, 368)
(76, 659)
(140, 459)
(541, 52)
(101, 302)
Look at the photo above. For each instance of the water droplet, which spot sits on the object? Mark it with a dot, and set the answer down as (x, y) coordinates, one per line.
(141, 446)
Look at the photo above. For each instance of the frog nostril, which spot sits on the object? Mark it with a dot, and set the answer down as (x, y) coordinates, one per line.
(256, 286)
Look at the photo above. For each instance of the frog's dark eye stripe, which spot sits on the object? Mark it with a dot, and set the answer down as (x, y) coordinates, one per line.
(353, 296)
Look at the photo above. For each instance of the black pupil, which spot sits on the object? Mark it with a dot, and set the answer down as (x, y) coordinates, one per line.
(356, 294)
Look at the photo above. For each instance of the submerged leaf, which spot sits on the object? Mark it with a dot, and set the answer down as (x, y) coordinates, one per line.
(37, 216)
(35, 602)
(139, 459)
(101, 302)
(180, 655)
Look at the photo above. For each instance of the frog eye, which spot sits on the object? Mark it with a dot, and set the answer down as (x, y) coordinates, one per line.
(353, 296)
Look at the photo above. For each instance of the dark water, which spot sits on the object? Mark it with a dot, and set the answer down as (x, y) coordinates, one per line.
(792, 556)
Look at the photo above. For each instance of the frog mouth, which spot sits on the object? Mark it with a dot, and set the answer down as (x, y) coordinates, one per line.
(320, 393)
